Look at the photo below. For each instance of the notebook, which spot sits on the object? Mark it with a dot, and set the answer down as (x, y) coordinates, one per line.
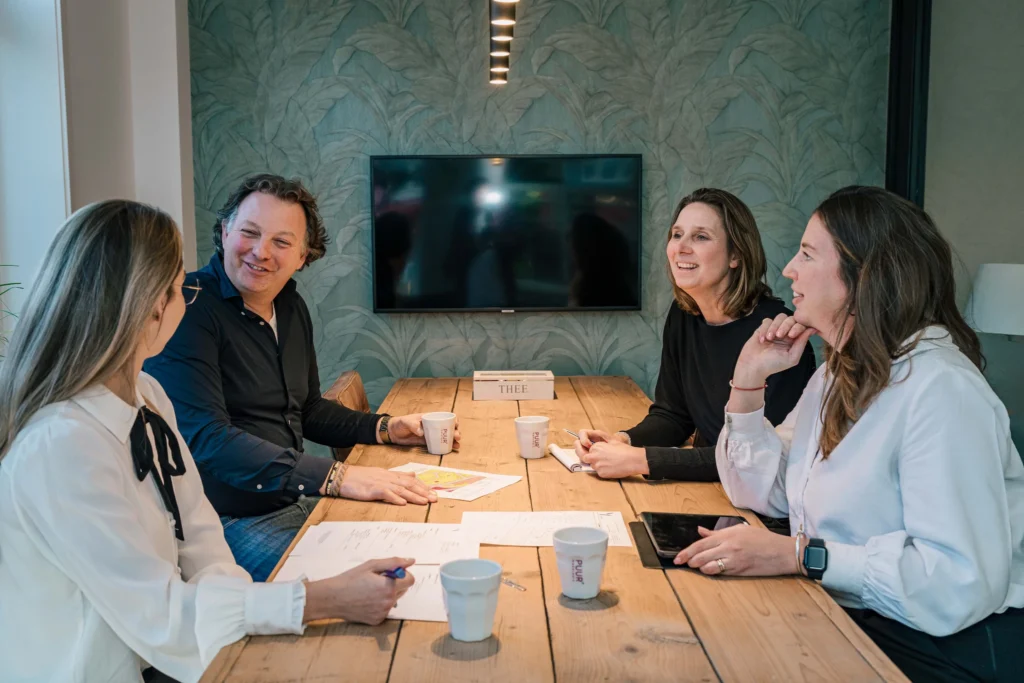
(568, 457)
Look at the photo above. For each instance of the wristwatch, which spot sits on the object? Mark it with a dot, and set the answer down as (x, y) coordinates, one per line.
(815, 558)
(385, 436)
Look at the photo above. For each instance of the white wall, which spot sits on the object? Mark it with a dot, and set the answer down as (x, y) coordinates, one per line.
(975, 155)
(99, 100)
(35, 194)
(94, 104)
(162, 112)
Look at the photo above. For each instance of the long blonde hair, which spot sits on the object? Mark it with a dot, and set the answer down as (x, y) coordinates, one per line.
(106, 270)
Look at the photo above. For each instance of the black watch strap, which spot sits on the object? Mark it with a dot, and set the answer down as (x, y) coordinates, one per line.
(815, 558)
(385, 437)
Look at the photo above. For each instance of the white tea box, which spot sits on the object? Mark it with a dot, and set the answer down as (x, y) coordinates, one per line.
(512, 385)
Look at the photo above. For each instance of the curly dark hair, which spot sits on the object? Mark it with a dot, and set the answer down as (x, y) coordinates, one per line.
(288, 190)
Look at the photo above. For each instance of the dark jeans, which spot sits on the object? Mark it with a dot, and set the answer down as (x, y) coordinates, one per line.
(259, 542)
(991, 650)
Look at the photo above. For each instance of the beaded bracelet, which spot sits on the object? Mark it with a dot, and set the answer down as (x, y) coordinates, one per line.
(334, 486)
(332, 475)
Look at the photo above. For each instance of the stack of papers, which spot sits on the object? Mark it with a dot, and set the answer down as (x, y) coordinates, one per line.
(330, 548)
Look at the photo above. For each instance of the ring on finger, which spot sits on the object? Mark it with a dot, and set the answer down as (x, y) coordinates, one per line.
(721, 565)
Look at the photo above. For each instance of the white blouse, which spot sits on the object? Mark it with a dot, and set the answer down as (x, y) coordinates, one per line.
(921, 504)
(94, 585)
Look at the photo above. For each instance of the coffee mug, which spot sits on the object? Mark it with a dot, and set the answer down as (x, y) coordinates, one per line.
(532, 435)
(580, 552)
(439, 432)
(470, 589)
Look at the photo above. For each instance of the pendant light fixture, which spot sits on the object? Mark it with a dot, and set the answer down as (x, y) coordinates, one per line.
(502, 34)
(500, 49)
(499, 65)
(502, 24)
(503, 14)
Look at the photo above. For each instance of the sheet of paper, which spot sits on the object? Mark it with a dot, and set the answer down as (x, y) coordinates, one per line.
(568, 457)
(423, 602)
(356, 542)
(447, 482)
(536, 528)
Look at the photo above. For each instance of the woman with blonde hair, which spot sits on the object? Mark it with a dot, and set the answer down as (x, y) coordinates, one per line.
(111, 558)
(903, 489)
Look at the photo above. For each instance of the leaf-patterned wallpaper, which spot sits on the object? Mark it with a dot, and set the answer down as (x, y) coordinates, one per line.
(780, 101)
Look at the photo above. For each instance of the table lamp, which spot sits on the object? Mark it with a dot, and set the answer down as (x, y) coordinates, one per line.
(996, 305)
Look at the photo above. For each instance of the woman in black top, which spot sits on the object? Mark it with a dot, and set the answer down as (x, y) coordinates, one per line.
(717, 266)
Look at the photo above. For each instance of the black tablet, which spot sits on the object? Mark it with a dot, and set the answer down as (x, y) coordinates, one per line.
(672, 532)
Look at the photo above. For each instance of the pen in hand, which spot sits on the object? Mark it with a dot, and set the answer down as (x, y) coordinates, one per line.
(396, 573)
(593, 437)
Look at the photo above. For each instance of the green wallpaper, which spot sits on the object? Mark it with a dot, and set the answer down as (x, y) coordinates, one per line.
(781, 101)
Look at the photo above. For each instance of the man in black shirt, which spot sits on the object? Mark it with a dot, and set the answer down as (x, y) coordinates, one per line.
(241, 372)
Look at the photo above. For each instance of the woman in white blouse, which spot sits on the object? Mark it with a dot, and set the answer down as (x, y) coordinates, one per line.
(896, 467)
(111, 558)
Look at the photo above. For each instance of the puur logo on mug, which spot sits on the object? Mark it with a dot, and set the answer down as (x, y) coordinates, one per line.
(536, 439)
(444, 436)
(577, 570)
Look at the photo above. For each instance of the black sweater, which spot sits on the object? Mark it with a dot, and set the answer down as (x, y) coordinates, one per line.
(697, 362)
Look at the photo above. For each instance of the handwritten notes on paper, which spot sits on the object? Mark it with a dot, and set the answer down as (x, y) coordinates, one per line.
(330, 548)
(447, 482)
(362, 541)
(536, 528)
(425, 600)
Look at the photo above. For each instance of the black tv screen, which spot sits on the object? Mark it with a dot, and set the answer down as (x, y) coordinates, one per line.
(506, 233)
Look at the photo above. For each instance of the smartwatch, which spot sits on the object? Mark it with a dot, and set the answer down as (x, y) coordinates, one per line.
(815, 558)
(385, 436)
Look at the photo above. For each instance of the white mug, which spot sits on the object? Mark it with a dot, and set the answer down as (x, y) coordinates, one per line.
(470, 589)
(532, 435)
(580, 552)
(439, 432)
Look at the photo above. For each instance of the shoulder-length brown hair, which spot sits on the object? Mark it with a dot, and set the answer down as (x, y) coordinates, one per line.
(746, 281)
(898, 272)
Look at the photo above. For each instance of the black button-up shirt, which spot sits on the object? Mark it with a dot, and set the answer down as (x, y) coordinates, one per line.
(244, 400)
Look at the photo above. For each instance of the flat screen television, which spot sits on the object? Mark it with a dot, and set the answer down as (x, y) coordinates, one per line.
(506, 233)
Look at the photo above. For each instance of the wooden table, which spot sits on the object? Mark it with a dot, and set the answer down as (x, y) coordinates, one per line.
(646, 625)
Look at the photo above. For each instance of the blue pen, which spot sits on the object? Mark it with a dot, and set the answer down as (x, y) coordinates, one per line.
(396, 573)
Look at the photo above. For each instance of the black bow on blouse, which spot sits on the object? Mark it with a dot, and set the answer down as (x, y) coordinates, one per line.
(142, 455)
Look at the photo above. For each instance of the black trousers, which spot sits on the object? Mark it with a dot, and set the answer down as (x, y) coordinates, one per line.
(991, 650)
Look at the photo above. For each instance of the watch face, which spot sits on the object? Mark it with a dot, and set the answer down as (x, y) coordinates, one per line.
(815, 558)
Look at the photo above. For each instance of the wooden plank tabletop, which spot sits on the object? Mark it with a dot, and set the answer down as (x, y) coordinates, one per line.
(645, 625)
